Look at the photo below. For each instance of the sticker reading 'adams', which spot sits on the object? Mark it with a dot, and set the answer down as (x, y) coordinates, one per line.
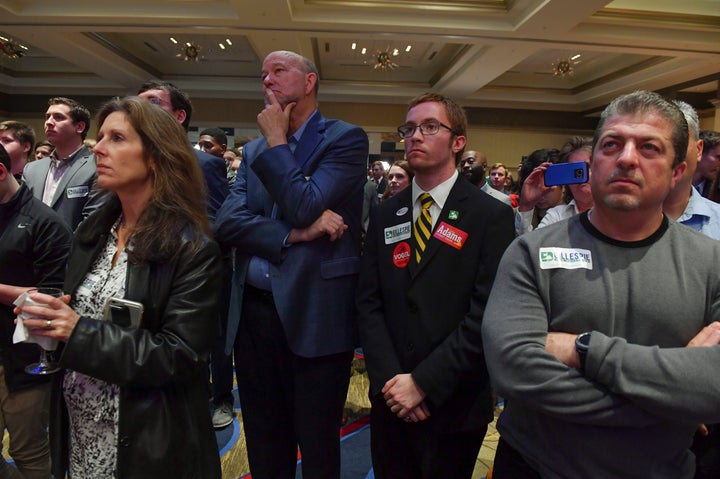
(450, 235)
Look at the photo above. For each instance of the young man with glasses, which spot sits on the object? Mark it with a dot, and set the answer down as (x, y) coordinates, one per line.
(430, 259)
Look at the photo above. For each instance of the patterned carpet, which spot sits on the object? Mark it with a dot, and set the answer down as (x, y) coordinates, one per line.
(355, 437)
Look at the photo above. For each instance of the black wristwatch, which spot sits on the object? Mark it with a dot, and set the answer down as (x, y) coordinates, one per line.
(582, 345)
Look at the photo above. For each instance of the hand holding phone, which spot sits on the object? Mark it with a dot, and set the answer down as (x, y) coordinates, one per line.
(566, 173)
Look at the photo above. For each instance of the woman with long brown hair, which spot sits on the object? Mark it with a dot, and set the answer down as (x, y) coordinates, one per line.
(131, 400)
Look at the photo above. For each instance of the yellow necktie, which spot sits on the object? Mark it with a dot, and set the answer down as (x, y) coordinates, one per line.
(422, 226)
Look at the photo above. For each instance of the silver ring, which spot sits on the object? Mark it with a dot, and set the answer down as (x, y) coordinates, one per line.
(48, 324)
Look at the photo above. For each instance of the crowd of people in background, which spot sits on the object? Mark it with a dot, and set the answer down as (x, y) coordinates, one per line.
(591, 307)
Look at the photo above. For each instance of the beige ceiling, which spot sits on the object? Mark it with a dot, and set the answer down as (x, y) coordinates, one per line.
(485, 53)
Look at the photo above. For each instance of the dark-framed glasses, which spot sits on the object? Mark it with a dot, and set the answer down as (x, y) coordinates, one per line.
(431, 127)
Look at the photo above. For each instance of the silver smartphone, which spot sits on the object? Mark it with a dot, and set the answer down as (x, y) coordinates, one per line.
(123, 312)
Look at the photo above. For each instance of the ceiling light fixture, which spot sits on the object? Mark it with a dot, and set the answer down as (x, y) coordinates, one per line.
(564, 66)
(12, 49)
(190, 52)
(384, 61)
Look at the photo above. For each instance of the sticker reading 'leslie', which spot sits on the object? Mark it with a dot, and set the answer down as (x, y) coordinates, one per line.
(565, 258)
(397, 233)
(450, 235)
(401, 255)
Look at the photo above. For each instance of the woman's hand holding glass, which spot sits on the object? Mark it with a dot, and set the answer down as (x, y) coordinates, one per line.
(51, 318)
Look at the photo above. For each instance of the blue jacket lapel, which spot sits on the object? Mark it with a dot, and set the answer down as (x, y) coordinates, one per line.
(311, 138)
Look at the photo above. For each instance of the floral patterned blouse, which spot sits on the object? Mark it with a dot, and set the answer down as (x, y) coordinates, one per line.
(92, 403)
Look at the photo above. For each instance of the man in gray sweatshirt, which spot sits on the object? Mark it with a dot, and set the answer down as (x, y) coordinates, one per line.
(601, 330)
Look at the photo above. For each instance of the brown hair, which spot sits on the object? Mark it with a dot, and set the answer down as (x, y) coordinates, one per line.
(78, 112)
(405, 166)
(23, 132)
(455, 113)
(172, 214)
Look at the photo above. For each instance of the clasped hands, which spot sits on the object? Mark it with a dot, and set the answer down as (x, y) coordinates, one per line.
(405, 398)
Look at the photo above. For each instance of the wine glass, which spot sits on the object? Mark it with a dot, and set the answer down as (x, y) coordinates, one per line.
(45, 365)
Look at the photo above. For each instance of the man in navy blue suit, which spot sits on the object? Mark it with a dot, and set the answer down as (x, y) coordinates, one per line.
(294, 217)
(176, 102)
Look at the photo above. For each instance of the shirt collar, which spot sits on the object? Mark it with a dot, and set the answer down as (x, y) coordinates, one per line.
(439, 194)
(54, 157)
(696, 206)
(299, 133)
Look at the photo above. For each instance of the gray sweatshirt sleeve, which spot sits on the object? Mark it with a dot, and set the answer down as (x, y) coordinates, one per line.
(679, 383)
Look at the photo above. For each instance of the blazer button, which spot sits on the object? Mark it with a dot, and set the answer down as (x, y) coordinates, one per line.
(124, 441)
(410, 346)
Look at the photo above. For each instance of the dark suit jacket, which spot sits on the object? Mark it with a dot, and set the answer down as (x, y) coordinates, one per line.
(77, 194)
(426, 319)
(215, 173)
(313, 283)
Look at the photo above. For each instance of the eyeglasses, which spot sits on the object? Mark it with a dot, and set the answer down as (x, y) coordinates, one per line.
(156, 101)
(426, 128)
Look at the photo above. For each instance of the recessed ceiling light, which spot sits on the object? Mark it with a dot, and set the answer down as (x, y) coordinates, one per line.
(173, 40)
(575, 57)
(396, 52)
(364, 50)
(227, 40)
(408, 48)
(222, 46)
(353, 46)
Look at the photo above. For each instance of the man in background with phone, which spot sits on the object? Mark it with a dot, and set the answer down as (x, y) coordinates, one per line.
(34, 244)
(535, 197)
(602, 331)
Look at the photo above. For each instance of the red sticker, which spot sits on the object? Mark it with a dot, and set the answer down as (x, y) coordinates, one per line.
(450, 235)
(401, 255)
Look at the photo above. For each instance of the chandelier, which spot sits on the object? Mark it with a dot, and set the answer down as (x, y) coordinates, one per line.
(190, 52)
(384, 61)
(564, 67)
(11, 48)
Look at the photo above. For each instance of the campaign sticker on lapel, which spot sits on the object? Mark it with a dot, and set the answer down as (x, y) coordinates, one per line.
(455, 237)
(401, 211)
(565, 258)
(453, 215)
(401, 255)
(77, 191)
(397, 233)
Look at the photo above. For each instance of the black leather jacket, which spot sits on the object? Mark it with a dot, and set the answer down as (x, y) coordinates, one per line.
(161, 367)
